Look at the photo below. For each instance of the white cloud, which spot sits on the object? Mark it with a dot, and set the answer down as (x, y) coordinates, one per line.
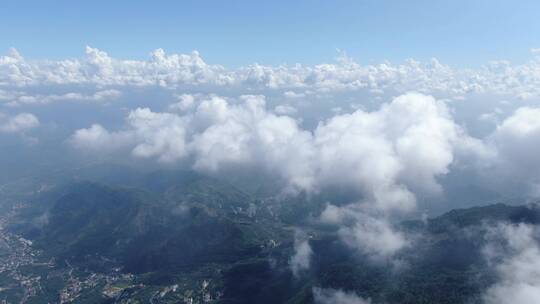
(19, 123)
(185, 102)
(518, 153)
(150, 135)
(285, 110)
(21, 98)
(515, 254)
(390, 155)
(98, 69)
(332, 296)
(245, 134)
(492, 116)
(291, 94)
(385, 156)
(386, 153)
(301, 259)
(97, 139)
(159, 135)
(365, 232)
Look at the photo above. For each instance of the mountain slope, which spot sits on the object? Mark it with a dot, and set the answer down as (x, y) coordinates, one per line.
(182, 229)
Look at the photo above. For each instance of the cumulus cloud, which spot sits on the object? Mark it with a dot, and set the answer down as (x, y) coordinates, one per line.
(368, 233)
(185, 102)
(150, 135)
(515, 254)
(515, 141)
(159, 135)
(301, 259)
(386, 153)
(384, 156)
(285, 110)
(217, 134)
(333, 296)
(19, 123)
(381, 154)
(99, 140)
(246, 134)
(390, 155)
(97, 68)
(492, 116)
(21, 98)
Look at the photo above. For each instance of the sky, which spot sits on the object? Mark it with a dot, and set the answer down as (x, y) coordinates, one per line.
(395, 108)
(235, 33)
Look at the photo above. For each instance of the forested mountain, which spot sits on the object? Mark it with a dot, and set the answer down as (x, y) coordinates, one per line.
(179, 237)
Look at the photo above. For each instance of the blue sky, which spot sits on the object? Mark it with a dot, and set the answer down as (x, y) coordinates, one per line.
(234, 33)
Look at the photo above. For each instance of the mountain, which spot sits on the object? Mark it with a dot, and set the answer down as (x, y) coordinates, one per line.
(174, 237)
(145, 231)
(445, 263)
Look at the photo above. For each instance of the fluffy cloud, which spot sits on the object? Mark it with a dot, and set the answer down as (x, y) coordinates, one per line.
(185, 102)
(384, 156)
(21, 98)
(19, 123)
(301, 259)
(246, 134)
(386, 153)
(518, 154)
(368, 233)
(285, 110)
(515, 254)
(159, 135)
(98, 68)
(390, 155)
(97, 139)
(332, 296)
(151, 135)
(217, 134)
(177, 70)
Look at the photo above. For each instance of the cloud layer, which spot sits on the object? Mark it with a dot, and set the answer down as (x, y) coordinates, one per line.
(179, 69)
(19, 123)
(383, 154)
(383, 157)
